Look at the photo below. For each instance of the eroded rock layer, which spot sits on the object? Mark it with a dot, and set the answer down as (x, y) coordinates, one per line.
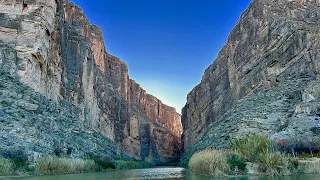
(264, 81)
(58, 53)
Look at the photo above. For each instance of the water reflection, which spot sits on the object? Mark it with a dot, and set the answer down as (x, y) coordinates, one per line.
(136, 174)
(157, 173)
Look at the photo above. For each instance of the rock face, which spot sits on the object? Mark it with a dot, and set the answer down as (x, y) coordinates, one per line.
(264, 81)
(32, 125)
(58, 53)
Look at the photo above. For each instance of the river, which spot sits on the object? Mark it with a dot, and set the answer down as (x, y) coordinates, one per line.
(155, 173)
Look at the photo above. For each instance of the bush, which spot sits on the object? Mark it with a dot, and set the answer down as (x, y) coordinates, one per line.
(311, 165)
(304, 155)
(15, 153)
(252, 148)
(121, 164)
(296, 146)
(102, 165)
(58, 152)
(236, 162)
(259, 149)
(282, 145)
(209, 162)
(54, 165)
(17, 156)
(6, 167)
(275, 164)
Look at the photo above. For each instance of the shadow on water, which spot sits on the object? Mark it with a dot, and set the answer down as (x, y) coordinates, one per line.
(156, 173)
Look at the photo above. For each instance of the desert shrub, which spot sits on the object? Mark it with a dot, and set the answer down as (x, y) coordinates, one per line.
(55, 165)
(282, 145)
(275, 164)
(301, 145)
(297, 146)
(236, 162)
(272, 160)
(260, 150)
(15, 153)
(6, 167)
(58, 151)
(209, 162)
(252, 148)
(311, 165)
(304, 155)
(17, 156)
(122, 164)
(102, 163)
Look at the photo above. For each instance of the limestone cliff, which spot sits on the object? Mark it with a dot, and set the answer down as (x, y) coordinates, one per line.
(58, 53)
(264, 81)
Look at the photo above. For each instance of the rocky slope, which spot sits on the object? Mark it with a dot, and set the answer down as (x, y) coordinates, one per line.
(264, 81)
(53, 49)
(34, 126)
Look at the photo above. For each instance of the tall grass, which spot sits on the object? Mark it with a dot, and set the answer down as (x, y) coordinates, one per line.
(122, 164)
(54, 165)
(311, 165)
(237, 163)
(6, 167)
(275, 164)
(259, 149)
(253, 147)
(209, 162)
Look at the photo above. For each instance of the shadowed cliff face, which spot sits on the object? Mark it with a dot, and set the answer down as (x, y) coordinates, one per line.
(269, 64)
(60, 55)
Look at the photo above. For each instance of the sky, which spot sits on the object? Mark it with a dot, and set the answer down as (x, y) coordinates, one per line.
(167, 44)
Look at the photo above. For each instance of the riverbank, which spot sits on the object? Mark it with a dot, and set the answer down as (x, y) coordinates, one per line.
(53, 165)
(255, 156)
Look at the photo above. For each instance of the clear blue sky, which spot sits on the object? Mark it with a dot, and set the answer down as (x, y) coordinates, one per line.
(167, 44)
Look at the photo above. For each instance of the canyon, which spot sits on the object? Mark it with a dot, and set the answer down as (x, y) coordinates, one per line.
(63, 93)
(75, 98)
(265, 80)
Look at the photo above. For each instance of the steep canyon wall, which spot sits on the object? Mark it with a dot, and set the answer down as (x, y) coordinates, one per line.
(58, 53)
(264, 81)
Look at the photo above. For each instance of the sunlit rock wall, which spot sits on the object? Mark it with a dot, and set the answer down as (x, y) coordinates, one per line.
(61, 55)
(270, 61)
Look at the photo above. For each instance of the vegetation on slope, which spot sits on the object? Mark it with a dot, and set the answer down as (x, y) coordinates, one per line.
(210, 162)
(16, 163)
(17, 159)
(54, 165)
(6, 167)
(122, 164)
(51, 165)
(254, 155)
